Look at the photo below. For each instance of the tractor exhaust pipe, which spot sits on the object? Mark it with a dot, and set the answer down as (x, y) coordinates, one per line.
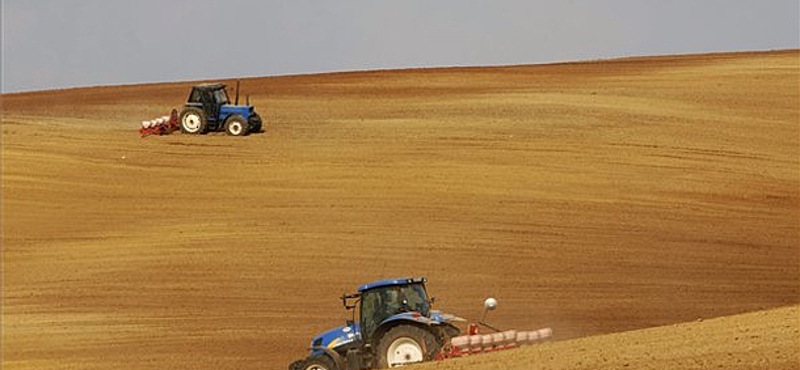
(237, 93)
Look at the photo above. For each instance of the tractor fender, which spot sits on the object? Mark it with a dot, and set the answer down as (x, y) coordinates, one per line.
(438, 324)
(405, 318)
(335, 356)
(410, 316)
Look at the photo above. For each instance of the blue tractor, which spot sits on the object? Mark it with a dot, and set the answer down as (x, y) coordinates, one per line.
(209, 109)
(392, 324)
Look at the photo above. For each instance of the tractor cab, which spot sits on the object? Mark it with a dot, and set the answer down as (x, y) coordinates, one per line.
(209, 108)
(381, 300)
(210, 97)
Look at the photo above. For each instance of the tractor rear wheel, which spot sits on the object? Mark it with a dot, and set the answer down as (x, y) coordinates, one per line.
(236, 125)
(194, 121)
(405, 345)
(319, 362)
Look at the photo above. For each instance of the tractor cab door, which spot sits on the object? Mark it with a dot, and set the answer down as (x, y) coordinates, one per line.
(210, 105)
(205, 99)
(371, 313)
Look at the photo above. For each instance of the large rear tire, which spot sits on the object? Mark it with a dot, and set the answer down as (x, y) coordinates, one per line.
(193, 121)
(405, 345)
(236, 125)
(319, 362)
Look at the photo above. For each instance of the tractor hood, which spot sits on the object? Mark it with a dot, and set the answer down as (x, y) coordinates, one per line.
(242, 110)
(337, 337)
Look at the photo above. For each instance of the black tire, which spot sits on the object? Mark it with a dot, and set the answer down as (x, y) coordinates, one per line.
(236, 125)
(255, 123)
(193, 121)
(406, 343)
(319, 362)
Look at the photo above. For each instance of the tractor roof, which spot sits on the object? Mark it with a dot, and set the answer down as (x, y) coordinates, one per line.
(390, 282)
(210, 86)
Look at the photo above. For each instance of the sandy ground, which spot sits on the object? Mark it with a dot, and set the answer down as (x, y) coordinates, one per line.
(592, 198)
(760, 340)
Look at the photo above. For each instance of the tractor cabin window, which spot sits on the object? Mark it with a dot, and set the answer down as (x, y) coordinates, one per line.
(379, 304)
(195, 97)
(220, 96)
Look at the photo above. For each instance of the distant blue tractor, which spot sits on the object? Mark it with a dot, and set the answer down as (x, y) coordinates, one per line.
(208, 109)
(394, 326)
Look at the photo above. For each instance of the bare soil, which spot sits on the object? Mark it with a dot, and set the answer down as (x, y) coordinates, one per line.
(761, 340)
(592, 198)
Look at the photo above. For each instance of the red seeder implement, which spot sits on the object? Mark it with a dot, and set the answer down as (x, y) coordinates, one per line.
(160, 126)
(475, 343)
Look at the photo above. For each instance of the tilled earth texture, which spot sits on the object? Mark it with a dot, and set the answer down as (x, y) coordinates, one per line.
(592, 198)
(760, 340)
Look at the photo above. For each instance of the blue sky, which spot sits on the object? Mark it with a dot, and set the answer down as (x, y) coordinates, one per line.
(49, 44)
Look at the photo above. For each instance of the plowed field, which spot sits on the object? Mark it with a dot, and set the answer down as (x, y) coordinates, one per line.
(592, 198)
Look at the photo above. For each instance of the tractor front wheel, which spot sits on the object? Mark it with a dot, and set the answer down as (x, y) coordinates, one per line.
(405, 345)
(255, 123)
(193, 121)
(236, 125)
(319, 362)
